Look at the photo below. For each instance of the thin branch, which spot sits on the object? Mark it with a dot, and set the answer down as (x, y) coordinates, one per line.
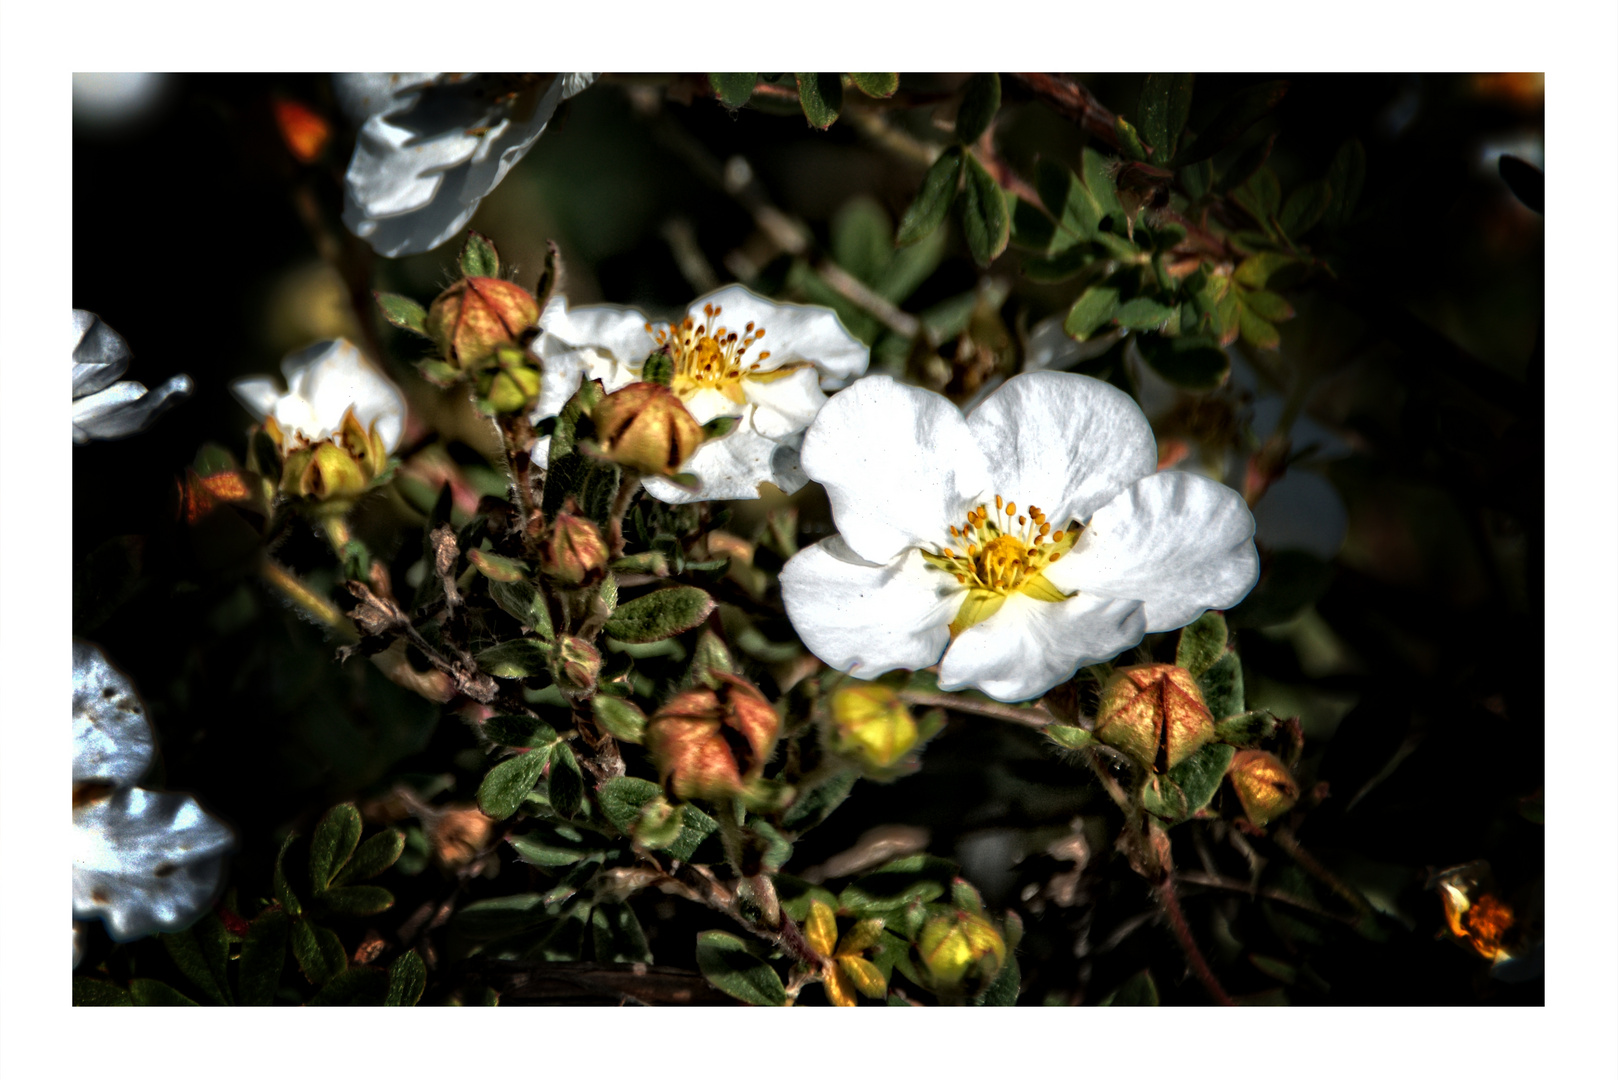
(1170, 900)
(1219, 881)
(1035, 718)
(307, 601)
(1289, 844)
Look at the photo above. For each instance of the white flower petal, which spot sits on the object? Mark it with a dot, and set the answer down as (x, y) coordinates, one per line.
(363, 94)
(1029, 646)
(324, 380)
(867, 619)
(794, 333)
(125, 408)
(898, 463)
(618, 332)
(705, 405)
(733, 467)
(100, 354)
(1065, 443)
(146, 861)
(258, 394)
(112, 739)
(1182, 544)
(785, 405)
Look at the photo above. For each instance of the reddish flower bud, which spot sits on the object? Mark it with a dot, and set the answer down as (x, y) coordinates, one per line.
(711, 744)
(645, 427)
(474, 317)
(1155, 714)
(1265, 787)
(573, 551)
(575, 666)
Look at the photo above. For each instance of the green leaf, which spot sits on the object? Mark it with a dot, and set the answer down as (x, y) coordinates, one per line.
(618, 936)
(933, 201)
(335, 839)
(621, 800)
(619, 718)
(1258, 333)
(1221, 686)
(1099, 182)
(283, 891)
(1190, 785)
(984, 218)
(1128, 139)
(567, 782)
(1007, 984)
(1078, 213)
(540, 849)
(914, 879)
(1347, 179)
(152, 992)
(356, 986)
(501, 916)
(1093, 310)
(1304, 208)
(877, 84)
(200, 952)
(1245, 729)
(1256, 270)
(503, 789)
(1143, 313)
(821, 95)
(90, 992)
(1137, 990)
(1202, 642)
(1068, 737)
(522, 731)
(523, 602)
(812, 807)
(980, 100)
(519, 658)
(1165, 105)
(357, 900)
(407, 978)
(402, 312)
(725, 961)
(1197, 364)
(1238, 114)
(264, 953)
(1260, 196)
(478, 257)
(661, 614)
(733, 87)
(1268, 306)
(319, 953)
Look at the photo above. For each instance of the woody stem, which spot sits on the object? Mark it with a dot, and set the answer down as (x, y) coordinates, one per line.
(309, 603)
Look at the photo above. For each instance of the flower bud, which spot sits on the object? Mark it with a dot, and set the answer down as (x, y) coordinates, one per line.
(1155, 714)
(645, 427)
(959, 945)
(460, 835)
(511, 385)
(573, 552)
(575, 666)
(711, 743)
(872, 725)
(1265, 787)
(476, 316)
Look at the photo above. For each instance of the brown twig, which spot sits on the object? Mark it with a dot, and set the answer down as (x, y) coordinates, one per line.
(1035, 717)
(1069, 97)
(1289, 844)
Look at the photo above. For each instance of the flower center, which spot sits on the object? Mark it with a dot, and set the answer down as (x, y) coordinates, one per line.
(710, 358)
(1003, 552)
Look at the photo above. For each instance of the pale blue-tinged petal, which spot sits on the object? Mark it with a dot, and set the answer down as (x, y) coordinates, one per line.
(112, 739)
(1029, 645)
(733, 467)
(785, 405)
(1181, 544)
(1062, 442)
(899, 464)
(100, 354)
(125, 408)
(866, 619)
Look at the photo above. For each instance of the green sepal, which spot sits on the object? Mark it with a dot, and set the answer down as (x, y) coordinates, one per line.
(439, 372)
(1245, 729)
(821, 95)
(984, 217)
(1221, 686)
(517, 659)
(504, 787)
(619, 718)
(333, 843)
(876, 84)
(1202, 643)
(407, 979)
(911, 880)
(1068, 737)
(661, 614)
(622, 799)
(1007, 984)
(733, 88)
(402, 312)
(725, 961)
(980, 100)
(478, 257)
(1129, 139)
(719, 427)
(932, 203)
(1189, 786)
(497, 567)
(658, 368)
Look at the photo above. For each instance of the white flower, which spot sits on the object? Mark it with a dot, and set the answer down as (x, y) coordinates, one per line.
(324, 381)
(433, 145)
(143, 861)
(1018, 543)
(103, 407)
(735, 354)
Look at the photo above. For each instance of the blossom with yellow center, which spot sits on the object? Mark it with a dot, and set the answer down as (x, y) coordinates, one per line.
(720, 370)
(1010, 546)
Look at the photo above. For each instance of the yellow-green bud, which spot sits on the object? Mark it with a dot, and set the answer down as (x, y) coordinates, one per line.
(511, 385)
(476, 316)
(1264, 785)
(573, 551)
(1155, 714)
(871, 724)
(645, 427)
(959, 945)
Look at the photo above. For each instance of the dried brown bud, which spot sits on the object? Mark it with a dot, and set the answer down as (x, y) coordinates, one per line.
(477, 315)
(711, 744)
(1265, 787)
(1155, 714)
(460, 836)
(645, 427)
(573, 551)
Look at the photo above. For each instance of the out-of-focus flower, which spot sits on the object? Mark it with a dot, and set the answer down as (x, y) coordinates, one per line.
(103, 407)
(764, 365)
(115, 101)
(432, 145)
(935, 559)
(143, 861)
(710, 744)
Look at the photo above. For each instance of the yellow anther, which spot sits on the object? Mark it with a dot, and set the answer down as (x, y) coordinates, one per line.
(1056, 537)
(997, 503)
(949, 553)
(971, 551)
(1011, 508)
(1021, 520)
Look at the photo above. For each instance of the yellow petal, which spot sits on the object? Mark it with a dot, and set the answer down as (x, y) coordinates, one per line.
(838, 987)
(866, 976)
(862, 936)
(820, 929)
(978, 605)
